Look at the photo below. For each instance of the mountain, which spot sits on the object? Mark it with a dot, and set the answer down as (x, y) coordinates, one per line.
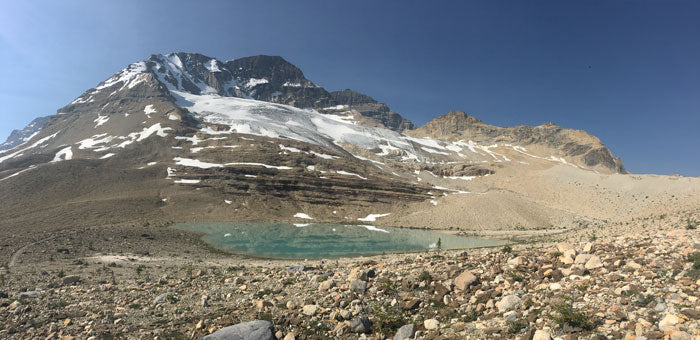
(18, 137)
(575, 144)
(182, 137)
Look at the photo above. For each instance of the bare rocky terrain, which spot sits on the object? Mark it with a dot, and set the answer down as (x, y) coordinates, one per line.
(156, 283)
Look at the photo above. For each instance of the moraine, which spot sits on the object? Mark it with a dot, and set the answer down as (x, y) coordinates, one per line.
(282, 240)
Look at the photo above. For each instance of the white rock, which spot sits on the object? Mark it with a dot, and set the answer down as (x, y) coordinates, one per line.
(541, 334)
(507, 303)
(668, 321)
(431, 324)
(309, 310)
(593, 262)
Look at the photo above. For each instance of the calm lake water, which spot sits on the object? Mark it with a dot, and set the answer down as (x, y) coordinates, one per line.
(322, 240)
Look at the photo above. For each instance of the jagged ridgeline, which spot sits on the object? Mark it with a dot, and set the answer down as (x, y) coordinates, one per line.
(184, 135)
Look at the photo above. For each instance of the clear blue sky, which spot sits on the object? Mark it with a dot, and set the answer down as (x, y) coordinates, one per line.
(626, 71)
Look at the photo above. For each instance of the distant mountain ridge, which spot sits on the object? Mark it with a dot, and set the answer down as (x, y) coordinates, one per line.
(18, 137)
(457, 125)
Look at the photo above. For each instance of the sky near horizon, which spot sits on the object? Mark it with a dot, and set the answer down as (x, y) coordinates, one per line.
(628, 72)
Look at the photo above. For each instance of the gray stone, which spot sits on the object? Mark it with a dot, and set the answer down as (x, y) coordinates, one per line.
(30, 294)
(406, 332)
(161, 298)
(298, 269)
(70, 279)
(252, 330)
(507, 303)
(358, 286)
(510, 315)
(360, 325)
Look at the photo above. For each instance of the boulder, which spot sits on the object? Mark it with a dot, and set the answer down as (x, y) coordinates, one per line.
(465, 280)
(360, 325)
(582, 258)
(309, 310)
(32, 294)
(541, 335)
(406, 332)
(70, 279)
(252, 330)
(507, 303)
(325, 285)
(357, 274)
(431, 324)
(358, 286)
(593, 263)
(669, 321)
(516, 261)
(162, 297)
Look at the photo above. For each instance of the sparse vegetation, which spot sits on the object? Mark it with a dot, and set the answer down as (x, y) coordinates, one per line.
(388, 320)
(507, 249)
(691, 224)
(514, 327)
(695, 259)
(567, 315)
(425, 276)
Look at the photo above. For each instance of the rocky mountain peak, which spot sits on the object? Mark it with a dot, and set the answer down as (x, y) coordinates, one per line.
(561, 142)
(450, 124)
(275, 69)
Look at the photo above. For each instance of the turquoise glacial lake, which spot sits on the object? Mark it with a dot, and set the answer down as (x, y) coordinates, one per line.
(321, 240)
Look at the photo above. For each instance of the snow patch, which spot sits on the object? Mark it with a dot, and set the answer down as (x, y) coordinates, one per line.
(252, 82)
(63, 155)
(372, 217)
(195, 163)
(341, 172)
(303, 215)
(148, 110)
(187, 181)
(101, 120)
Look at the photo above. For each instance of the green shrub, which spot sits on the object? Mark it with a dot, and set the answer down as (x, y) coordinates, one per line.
(567, 315)
(507, 249)
(388, 320)
(425, 276)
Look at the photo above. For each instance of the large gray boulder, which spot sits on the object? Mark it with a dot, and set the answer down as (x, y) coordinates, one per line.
(251, 330)
(406, 332)
(360, 325)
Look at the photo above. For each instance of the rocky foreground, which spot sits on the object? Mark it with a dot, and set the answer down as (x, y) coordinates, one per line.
(641, 286)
